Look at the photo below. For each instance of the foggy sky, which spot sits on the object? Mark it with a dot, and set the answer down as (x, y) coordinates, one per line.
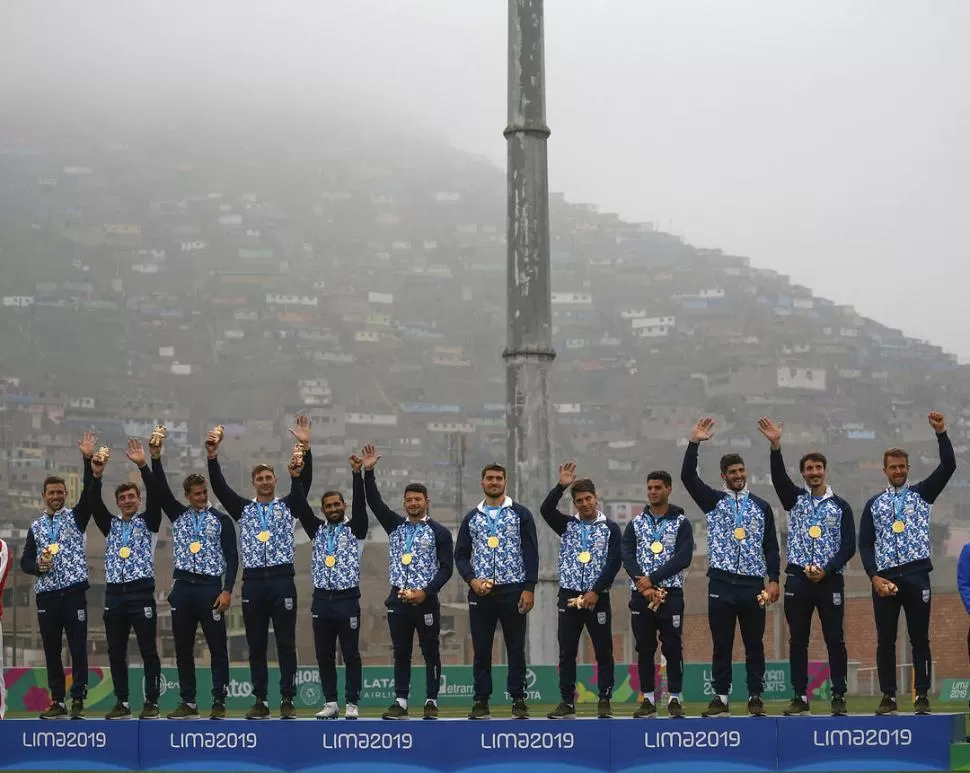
(826, 139)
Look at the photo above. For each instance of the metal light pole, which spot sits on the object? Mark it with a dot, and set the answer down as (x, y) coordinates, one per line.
(529, 353)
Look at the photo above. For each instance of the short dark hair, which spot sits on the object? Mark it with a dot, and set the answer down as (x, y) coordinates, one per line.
(894, 452)
(53, 480)
(417, 488)
(332, 494)
(729, 460)
(494, 468)
(126, 487)
(191, 481)
(812, 456)
(259, 468)
(663, 476)
(583, 486)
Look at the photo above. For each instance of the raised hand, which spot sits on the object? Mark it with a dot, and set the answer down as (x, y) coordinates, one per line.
(356, 463)
(213, 440)
(156, 441)
(567, 474)
(86, 445)
(703, 430)
(98, 462)
(136, 453)
(369, 456)
(296, 465)
(771, 431)
(302, 431)
(937, 422)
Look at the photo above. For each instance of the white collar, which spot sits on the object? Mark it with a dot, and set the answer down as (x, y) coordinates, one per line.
(892, 490)
(506, 503)
(737, 494)
(407, 519)
(600, 518)
(827, 494)
(62, 511)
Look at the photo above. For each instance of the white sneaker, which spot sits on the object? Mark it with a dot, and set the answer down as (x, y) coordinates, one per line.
(351, 712)
(330, 711)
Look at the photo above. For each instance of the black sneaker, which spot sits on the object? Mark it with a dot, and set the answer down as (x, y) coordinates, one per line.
(260, 710)
(563, 711)
(480, 710)
(55, 711)
(218, 710)
(756, 708)
(122, 710)
(287, 710)
(430, 709)
(604, 709)
(149, 711)
(395, 711)
(796, 707)
(839, 708)
(519, 709)
(716, 708)
(645, 710)
(887, 705)
(77, 709)
(922, 704)
(185, 711)
(675, 709)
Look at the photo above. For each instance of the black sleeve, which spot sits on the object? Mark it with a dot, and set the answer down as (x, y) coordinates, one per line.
(933, 486)
(614, 560)
(28, 559)
(297, 493)
(230, 500)
(446, 560)
(847, 544)
(463, 550)
(306, 474)
(785, 488)
(169, 504)
(100, 513)
(557, 521)
(358, 509)
(530, 549)
(303, 512)
(770, 545)
(84, 507)
(229, 551)
(867, 540)
(628, 550)
(683, 554)
(386, 517)
(703, 495)
(153, 510)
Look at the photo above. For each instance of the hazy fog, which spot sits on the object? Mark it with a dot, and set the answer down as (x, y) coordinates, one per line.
(825, 139)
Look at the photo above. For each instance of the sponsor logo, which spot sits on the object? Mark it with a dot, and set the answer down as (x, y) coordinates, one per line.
(354, 622)
(216, 615)
(429, 620)
(448, 688)
(601, 618)
(213, 740)
(872, 737)
(676, 619)
(82, 615)
(310, 694)
(926, 595)
(288, 604)
(837, 599)
(148, 613)
(365, 741)
(527, 741)
(65, 740)
(692, 739)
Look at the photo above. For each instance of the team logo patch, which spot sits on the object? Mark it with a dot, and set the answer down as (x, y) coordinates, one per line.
(82, 615)
(837, 599)
(148, 613)
(288, 604)
(676, 619)
(601, 618)
(926, 595)
(216, 615)
(429, 620)
(354, 622)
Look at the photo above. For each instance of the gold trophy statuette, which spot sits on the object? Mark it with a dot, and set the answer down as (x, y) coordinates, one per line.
(103, 454)
(575, 603)
(405, 594)
(659, 598)
(219, 432)
(488, 585)
(763, 599)
(297, 458)
(158, 435)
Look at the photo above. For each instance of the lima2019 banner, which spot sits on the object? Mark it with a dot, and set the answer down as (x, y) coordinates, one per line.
(28, 693)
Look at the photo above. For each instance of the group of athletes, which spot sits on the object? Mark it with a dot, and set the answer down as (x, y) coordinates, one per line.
(496, 553)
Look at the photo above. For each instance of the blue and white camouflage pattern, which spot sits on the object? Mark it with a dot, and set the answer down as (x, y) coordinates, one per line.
(345, 573)
(140, 564)
(280, 549)
(572, 574)
(724, 551)
(648, 561)
(913, 543)
(802, 549)
(504, 564)
(69, 566)
(424, 556)
(209, 560)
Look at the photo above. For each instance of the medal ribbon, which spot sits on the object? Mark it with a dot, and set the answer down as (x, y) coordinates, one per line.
(127, 527)
(817, 504)
(411, 533)
(198, 521)
(264, 512)
(584, 535)
(899, 498)
(333, 534)
(54, 526)
(739, 510)
(658, 528)
(493, 514)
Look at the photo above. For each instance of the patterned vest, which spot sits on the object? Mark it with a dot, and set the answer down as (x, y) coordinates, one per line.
(583, 537)
(913, 543)
(503, 564)
(665, 533)
(206, 529)
(274, 517)
(805, 550)
(724, 550)
(337, 541)
(140, 543)
(70, 564)
(418, 541)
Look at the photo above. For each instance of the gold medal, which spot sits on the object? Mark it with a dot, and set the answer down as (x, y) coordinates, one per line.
(55, 547)
(815, 532)
(195, 547)
(263, 536)
(899, 527)
(657, 546)
(124, 552)
(493, 542)
(584, 557)
(330, 561)
(406, 558)
(740, 533)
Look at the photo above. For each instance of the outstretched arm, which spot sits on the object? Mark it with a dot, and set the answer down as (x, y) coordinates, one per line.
(171, 506)
(703, 495)
(358, 507)
(230, 500)
(387, 518)
(933, 486)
